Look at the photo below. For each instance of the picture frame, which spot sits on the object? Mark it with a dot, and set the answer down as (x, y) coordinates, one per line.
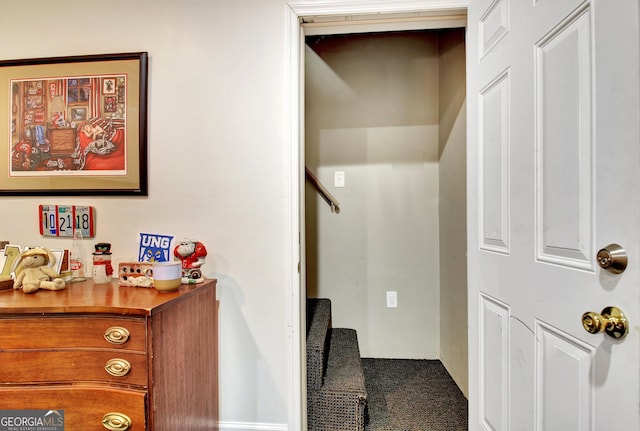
(78, 114)
(7, 257)
(58, 256)
(74, 126)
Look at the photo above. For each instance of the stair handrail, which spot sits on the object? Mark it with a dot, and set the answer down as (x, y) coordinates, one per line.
(326, 195)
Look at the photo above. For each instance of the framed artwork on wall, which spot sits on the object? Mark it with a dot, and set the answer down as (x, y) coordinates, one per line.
(74, 125)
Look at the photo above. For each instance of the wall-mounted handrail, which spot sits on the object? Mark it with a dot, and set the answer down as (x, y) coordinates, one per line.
(328, 197)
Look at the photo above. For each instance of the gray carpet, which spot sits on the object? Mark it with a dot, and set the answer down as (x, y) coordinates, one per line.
(412, 395)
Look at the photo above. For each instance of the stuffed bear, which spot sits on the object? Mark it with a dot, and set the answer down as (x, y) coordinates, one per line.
(33, 271)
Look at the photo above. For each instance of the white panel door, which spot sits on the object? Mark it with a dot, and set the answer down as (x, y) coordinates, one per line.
(553, 176)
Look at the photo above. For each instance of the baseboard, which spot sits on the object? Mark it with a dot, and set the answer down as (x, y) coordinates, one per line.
(250, 426)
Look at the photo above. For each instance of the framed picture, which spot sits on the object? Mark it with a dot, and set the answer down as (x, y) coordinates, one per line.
(7, 257)
(109, 86)
(58, 258)
(78, 114)
(74, 125)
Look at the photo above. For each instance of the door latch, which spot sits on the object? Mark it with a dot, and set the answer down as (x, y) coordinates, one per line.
(611, 321)
(613, 258)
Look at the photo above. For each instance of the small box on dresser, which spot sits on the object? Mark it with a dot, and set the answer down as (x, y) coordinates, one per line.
(112, 357)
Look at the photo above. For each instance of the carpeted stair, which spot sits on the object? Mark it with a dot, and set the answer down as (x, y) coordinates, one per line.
(336, 394)
(413, 394)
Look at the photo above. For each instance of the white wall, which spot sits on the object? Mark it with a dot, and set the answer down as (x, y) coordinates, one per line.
(217, 162)
(452, 207)
(372, 112)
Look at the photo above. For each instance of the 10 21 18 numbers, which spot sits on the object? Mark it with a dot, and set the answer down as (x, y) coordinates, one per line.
(59, 220)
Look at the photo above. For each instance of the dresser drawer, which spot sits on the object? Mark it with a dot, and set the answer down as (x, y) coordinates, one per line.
(50, 332)
(45, 366)
(84, 407)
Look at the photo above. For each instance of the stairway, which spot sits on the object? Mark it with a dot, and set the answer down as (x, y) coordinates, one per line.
(336, 394)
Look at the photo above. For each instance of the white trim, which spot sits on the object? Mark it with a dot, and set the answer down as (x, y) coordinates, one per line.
(250, 426)
(339, 7)
(295, 10)
(404, 23)
(297, 384)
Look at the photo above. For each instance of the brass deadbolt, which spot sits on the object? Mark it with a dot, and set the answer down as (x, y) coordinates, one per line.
(613, 258)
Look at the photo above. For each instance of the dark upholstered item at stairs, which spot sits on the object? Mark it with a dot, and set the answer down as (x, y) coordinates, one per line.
(338, 404)
(318, 325)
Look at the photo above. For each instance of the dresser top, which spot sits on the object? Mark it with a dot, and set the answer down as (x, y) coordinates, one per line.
(86, 297)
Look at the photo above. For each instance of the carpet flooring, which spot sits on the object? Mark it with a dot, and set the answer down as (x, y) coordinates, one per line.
(412, 395)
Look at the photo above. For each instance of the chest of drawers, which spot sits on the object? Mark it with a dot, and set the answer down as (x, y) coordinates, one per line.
(111, 357)
(62, 141)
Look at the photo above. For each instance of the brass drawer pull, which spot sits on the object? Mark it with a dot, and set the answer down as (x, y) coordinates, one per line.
(116, 421)
(118, 367)
(116, 335)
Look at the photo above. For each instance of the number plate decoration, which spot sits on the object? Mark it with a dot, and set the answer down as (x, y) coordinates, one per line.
(61, 220)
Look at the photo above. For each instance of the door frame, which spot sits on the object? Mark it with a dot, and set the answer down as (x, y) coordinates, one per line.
(294, 106)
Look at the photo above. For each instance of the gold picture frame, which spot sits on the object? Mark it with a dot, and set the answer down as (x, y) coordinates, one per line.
(74, 125)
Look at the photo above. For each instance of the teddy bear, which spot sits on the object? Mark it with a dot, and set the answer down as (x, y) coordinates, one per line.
(33, 271)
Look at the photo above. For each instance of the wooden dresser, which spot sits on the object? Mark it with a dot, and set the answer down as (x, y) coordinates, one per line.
(62, 141)
(111, 357)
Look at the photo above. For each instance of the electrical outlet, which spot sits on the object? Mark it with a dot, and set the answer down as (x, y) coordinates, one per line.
(338, 179)
(392, 299)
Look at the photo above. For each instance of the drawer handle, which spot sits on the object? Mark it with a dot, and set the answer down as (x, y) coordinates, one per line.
(116, 421)
(116, 335)
(118, 367)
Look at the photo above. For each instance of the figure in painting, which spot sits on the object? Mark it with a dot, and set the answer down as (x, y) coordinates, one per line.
(100, 137)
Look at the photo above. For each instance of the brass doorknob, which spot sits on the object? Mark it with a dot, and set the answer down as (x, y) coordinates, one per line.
(611, 321)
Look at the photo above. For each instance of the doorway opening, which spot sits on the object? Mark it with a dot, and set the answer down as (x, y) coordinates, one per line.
(385, 122)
